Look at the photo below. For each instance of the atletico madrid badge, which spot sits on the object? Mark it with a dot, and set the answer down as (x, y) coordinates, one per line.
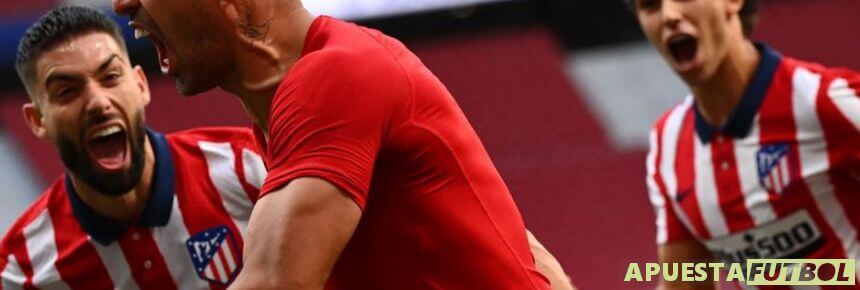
(215, 255)
(775, 168)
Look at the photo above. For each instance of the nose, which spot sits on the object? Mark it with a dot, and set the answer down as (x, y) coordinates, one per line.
(671, 13)
(125, 7)
(99, 104)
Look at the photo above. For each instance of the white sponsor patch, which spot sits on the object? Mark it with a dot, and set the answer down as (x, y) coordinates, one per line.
(791, 237)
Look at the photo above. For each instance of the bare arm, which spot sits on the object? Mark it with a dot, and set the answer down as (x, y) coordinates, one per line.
(548, 265)
(296, 235)
(684, 251)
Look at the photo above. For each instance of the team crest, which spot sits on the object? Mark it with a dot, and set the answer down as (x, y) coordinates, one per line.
(215, 255)
(774, 167)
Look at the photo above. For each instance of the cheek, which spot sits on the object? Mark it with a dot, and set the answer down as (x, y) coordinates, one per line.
(651, 27)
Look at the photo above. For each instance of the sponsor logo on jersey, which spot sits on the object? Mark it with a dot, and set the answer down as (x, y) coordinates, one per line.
(791, 237)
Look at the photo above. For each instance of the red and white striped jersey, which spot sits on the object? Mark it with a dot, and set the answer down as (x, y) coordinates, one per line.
(781, 179)
(190, 235)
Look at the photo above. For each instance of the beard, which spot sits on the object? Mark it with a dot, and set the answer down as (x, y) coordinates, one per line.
(79, 162)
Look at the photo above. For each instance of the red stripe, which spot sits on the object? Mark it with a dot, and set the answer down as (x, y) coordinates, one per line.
(15, 243)
(214, 269)
(18, 246)
(776, 126)
(200, 204)
(3, 263)
(144, 251)
(779, 126)
(778, 173)
(78, 263)
(685, 165)
(674, 229)
(728, 185)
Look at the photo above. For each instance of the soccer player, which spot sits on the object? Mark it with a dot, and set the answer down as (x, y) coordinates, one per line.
(376, 179)
(762, 159)
(136, 209)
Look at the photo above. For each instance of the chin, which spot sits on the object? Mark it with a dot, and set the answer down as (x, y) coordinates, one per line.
(189, 88)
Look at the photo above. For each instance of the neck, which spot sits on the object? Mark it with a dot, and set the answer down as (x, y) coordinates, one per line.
(717, 98)
(265, 55)
(128, 207)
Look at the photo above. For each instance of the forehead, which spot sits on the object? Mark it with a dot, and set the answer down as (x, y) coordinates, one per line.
(81, 53)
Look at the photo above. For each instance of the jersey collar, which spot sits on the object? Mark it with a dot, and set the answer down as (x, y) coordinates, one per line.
(157, 211)
(740, 121)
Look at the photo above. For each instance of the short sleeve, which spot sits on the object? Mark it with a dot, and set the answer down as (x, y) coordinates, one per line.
(329, 119)
(839, 112)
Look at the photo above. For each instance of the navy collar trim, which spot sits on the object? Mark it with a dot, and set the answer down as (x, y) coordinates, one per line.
(157, 211)
(740, 121)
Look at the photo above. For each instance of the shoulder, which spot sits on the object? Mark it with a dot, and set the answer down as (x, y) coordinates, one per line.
(237, 135)
(359, 66)
(673, 115)
(29, 220)
(828, 82)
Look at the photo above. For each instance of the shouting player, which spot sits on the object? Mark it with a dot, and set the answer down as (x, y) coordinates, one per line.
(377, 180)
(762, 159)
(136, 209)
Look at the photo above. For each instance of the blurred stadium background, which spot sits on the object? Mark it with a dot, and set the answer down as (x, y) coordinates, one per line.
(562, 92)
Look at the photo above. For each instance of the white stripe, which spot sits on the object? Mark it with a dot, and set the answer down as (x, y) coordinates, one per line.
(815, 163)
(171, 242)
(12, 276)
(219, 267)
(209, 273)
(222, 172)
(42, 248)
(775, 179)
(706, 189)
(784, 169)
(255, 169)
(669, 150)
(654, 195)
(755, 196)
(846, 100)
(117, 266)
(228, 255)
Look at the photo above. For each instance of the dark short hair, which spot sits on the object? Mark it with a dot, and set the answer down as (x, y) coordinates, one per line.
(59, 25)
(748, 14)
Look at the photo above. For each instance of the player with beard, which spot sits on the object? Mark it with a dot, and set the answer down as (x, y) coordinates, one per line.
(762, 159)
(136, 209)
(377, 180)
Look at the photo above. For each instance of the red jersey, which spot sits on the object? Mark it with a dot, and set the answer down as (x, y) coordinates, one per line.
(362, 112)
(781, 179)
(190, 234)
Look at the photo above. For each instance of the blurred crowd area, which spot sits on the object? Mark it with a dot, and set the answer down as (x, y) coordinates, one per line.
(562, 93)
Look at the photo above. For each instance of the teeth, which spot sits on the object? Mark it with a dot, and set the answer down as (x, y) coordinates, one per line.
(140, 33)
(165, 66)
(107, 131)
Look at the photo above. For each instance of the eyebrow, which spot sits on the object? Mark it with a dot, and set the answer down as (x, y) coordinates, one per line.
(70, 77)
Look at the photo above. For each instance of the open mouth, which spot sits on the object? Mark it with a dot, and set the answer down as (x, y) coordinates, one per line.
(109, 148)
(163, 58)
(683, 48)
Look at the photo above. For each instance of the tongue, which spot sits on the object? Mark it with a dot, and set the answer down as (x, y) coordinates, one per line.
(109, 152)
